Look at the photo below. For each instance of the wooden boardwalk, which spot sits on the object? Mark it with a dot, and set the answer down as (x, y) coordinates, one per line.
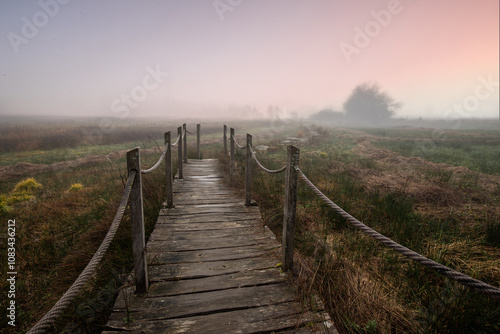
(213, 268)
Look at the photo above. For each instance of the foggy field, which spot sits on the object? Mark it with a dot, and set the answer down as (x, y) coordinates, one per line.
(394, 106)
(438, 197)
(435, 191)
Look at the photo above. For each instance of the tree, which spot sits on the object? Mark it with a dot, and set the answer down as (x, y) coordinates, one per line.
(368, 104)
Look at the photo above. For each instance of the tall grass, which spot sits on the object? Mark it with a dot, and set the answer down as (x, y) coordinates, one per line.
(58, 232)
(367, 287)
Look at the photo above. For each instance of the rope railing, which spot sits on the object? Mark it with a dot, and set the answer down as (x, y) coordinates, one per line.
(176, 141)
(162, 157)
(269, 171)
(448, 272)
(50, 317)
(293, 172)
(132, 195)
(238, 145)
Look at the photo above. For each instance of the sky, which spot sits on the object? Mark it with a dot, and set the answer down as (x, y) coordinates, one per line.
(236, 58)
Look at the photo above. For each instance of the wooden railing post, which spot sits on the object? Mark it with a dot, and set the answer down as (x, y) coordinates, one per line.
(248, 171)
(292, 163)
(137, 223)
(231, 158)
(198, 134)
(225, 140)
(168, 167)
(185, 143)
(179, 156)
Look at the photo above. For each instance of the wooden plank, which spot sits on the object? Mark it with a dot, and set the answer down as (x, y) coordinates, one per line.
(291, 180)
(207, 269)
(188, 210)
(164, 234)
(264, 319)
(194, 225)
(204, 244)
(206, 284)
(210, 206)
(218, 254)
(176, 306)
(212, 216)
(137, 222)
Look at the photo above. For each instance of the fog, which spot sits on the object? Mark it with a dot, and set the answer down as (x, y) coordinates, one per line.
(246, 59)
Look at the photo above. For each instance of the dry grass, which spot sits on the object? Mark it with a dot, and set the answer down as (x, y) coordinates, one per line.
(436, 209)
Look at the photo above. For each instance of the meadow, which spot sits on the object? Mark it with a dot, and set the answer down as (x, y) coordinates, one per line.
(62, 182)
(434, 191)
(435, 195)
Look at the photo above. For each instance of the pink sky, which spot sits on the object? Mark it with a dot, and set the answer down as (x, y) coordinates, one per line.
(430, 56)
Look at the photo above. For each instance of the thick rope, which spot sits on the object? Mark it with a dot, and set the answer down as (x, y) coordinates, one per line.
(191, 133)
(242, 147)
(448, 272)
(176, 141)
(270, 171)
(149, 170)
(50, 317)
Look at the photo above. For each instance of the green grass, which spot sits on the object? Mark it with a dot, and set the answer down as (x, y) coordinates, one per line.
(59, 230)
(65, 154)
(478, 151)
(397, 295)
(366, 286)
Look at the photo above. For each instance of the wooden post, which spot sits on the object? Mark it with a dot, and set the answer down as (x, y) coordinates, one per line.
(231, 158)
(179, 156)
(168, 167)
(290, 204)
(225, 140)
(248, 171)
(198, 134)
(137, 223)
(185, 143)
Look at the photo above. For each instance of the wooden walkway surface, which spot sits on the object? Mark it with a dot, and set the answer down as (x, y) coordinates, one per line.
(213, 268)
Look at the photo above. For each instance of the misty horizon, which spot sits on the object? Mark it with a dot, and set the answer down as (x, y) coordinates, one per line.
(242, 59)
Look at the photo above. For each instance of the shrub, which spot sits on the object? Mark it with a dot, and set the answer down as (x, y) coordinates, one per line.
(4, 208)
(75, 187)
(27, 186)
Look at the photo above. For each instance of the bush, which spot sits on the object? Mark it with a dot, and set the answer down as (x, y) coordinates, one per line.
(27, 186)
(4, 208)
(75, 187)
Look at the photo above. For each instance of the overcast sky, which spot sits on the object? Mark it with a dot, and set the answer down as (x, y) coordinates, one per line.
(181, 58)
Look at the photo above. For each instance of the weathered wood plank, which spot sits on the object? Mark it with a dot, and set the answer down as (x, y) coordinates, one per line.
(207, 269)
(155, 308)
(204, 244)
(223, 282)
(163, 234)
(210, 255)
(194, 225)
(212, 216)
(271, 318)
(206, 284)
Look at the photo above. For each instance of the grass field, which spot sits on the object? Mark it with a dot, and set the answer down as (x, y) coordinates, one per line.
(440, 200)
(434, 191)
